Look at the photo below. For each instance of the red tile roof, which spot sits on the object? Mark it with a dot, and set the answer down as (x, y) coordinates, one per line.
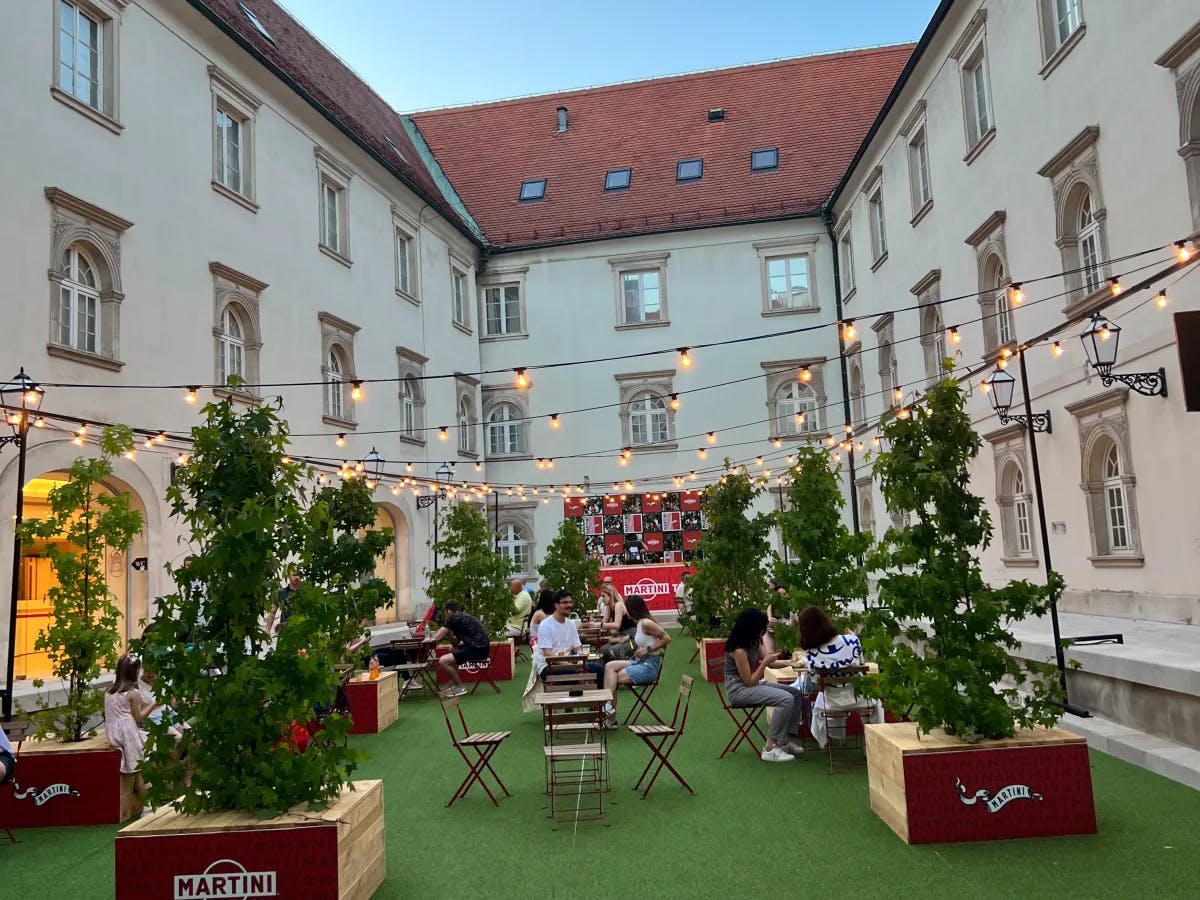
(816, 110)
(334, 87)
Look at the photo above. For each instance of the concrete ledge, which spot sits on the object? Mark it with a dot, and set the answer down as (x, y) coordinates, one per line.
(1155, 754)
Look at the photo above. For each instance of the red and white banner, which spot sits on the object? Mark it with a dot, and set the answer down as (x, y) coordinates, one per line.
(655, 583)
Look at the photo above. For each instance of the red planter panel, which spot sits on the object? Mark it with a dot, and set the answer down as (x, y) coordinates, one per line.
(993, 794)
(497, 667)
(63, 788)
(279, 862)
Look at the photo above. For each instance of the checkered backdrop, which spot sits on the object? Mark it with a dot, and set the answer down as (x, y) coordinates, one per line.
(669, 526)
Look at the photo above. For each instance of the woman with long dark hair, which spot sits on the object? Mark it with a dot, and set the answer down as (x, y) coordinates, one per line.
(544, 607)
(745, 667)
(649, 641)
(829, 651)
(124, 712)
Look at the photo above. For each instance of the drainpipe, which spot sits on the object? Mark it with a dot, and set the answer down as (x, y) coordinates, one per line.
(827, 217)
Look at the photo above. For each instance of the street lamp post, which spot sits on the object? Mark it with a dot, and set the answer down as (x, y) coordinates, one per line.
(1000, 392)
(1100, 341)
(444, 473)
(20, 395)
(373, 463)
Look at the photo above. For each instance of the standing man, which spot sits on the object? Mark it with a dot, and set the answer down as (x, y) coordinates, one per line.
(283, 606)
(522, 606)
(557, 635)
(683, 599)
(472, 641)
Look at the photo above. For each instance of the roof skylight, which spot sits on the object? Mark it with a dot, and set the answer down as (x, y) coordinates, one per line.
(764, 160)
(533, 190)
(617, 179)
(253, 19)
(689, 170)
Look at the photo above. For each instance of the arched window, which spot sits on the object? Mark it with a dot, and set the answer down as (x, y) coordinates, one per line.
(998, 283)
(933, 342)
(465, 436)
(857, 401)
(335, 386)
(1087, 236)
(513, 545)
(889, 374)
(1021, 514)
(232, 357)
(796, 410)
(1116, 500)
(408, 407)
(866, 514)
(505, 431)
(79, 302)
(648, 420)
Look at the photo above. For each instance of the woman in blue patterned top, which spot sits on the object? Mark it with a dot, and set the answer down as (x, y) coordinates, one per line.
(827, 650)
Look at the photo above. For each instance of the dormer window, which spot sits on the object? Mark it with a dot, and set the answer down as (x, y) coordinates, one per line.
(764, 160)
(617, 179)
(253, 20)
(533, 190)
(689, 170)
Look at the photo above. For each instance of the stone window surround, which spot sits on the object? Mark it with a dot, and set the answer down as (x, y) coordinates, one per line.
(333, 171)
(788, 248)
(465, 389)
(928, 293)
(495, 395)
(846, 272)
(1009, 448)
(913, 126)
(498, 277)
(884, 328)
(1074, 167)
(1183, 59)
(1052, 53)
(227, 94)
(108, 13)
(407, 227)
(74, 220)
(410, 363)
(781, 372)
(460, 265)
(866, 504)
(989, 243)
(1101, 418)
(244, 294)
(660, 383)
(877, 231)
(970, 47)
(521, 514)
(654, 260)
(337, 333)
(858, 398)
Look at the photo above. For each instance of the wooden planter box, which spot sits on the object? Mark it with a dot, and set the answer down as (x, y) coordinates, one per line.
(712, 659)
(936, 789)
(374, 705)
(335, 853)
(67, 784)
(499, 666)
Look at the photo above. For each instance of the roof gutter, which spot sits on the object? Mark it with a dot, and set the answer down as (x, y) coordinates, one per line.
(230, 32)
(914, 59)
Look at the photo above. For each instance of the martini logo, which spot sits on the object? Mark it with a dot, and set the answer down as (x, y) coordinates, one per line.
(648, 587)
(225, 878)
(996, 803)
(40, 797)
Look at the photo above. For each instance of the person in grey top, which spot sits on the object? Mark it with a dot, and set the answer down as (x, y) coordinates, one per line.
(745, 667)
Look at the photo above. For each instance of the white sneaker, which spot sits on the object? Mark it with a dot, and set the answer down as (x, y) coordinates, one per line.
(776, 754)
(793, 748)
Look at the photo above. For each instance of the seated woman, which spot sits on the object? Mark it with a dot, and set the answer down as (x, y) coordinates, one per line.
(615, 615)
(124, 712)
(745, 666)
(827, 651)
(544, 608)
(649, 641)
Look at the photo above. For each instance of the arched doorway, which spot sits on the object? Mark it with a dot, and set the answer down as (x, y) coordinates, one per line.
(34, 608)
(394, 565)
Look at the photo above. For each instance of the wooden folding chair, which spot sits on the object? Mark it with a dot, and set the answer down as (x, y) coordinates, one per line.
(641, 699)
(16, 731)
(576, 756)
(662, 738)
(745, 719)
(567, 673)
(838, 686)
(485, 745)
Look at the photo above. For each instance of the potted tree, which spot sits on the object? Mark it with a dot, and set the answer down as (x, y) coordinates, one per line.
(249, 796)
(478, 578)
(981, 748)
(567, 564)
(731, 573)
(69, 775)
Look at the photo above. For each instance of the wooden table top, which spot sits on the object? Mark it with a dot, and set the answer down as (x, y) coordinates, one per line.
(592, 696)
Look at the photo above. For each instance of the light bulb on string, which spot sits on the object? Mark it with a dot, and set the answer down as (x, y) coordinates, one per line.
(799, 418)
(805, 375)
(181, 459)
(898, 394)
(875, 441)
(849, 332)
(39, 422)
(408, 467)
(685, 358)
(776, 443)
(287, 460)
(711, 437)
(849, 429)
(554, 423)
(522, 380)
(1056, 349)
(1016, 296)
(829, 441)
(1114, 285)
(1183, 250)
(702, 453)
(1160, 300)
(192, 395)
(550, 463)
(160, 438)
(629, 485)
(758, 460)
(955, 337)
(860, 446)
(791, 459)
(395, 490)
(149, 445)
(356, 391)
(443, 433)
(675, 404)
(902, 413)
(692, 475)
(131, 454)
(478, 467)
(340, 440)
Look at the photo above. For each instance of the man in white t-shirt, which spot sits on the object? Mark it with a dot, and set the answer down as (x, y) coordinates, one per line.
(557, 635)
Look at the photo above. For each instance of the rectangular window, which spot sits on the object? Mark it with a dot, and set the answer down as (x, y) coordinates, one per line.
(77, 320)
(331, 216)
(79, 54)
(689, 170)
(878, 230)
(502, 310)
(1021, 514)
(229, 150)
(533, 190)
(403, 262)
(978, 100)
(641, 297)
(617, 179)
(764, 160)
(918, 170)
(1066, 20)
(460, 298)
(1118, 529)
(787, 283)
(847, 262)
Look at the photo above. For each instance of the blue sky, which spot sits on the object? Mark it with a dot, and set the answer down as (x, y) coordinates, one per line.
(420, 53)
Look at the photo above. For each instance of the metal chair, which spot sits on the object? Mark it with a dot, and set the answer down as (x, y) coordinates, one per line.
(841, 703)
(662, 738)
(745, 719)
(641, 699)
(485, 744)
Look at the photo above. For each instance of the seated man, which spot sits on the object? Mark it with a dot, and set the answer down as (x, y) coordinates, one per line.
(557, 634)
(472, 641)
(8, 758)
(522, 607)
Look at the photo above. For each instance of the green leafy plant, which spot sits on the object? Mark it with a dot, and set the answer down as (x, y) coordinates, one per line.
(477, 576)
(826, 560)
(85, 521)
(939, 632)
(567, 564)
(237, 697)
(731, 574)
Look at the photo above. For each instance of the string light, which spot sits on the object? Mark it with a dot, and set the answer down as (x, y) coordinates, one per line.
(341, 440)
(898, 394)
(1016, 296)
(758, 460)
(711, 437)
(685, 358)
(776, 443)
(131, 454)
(356, 391)
(849, 429)
(181, 459)
(555, 424)
(875, 441)
(395, 490)
(791, 458)
(78, 439)
(984, 387)
(805, 375)
(478, 467)
(675, 404)
(39, 422)
(443, 433)
(1161, 300)
(799, 418)
(149, 445)
(550, 463)
(193, 394)
(1114, 285)
(849, 332)
(702, 453)
(629, 485)
(955, 337)
(408, 467)
(903, 412)
(622, 460)
(522, 380)
(1057, 349)
(371, 483)
(287, 460)
(692, 475)
(829, 441)
(1183, 250)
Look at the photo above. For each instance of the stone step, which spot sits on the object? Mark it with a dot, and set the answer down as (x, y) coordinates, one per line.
(1166, 758)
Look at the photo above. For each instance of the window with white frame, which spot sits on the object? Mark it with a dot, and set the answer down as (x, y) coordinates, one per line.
(1108, 482)
(918, 170)
(858, 405)
(971, 53)
(458, 288)
(79, 301)
(995, 312)
(1001, 296)
(1015, 503)
(404, 252)
(337, 368)
(866, 511)
(231, 361)
(797, 410)
(1116, 502)
(87, 56)
(408, 407)
(648, 422)
(230, 162)
(877, 224)
(502, 310)
(333, 181)
(332, 204)
(466, 425)
(788, 283)
(513, 544)
(1087, 237)
(411, 394)
(236, 332)
(335, 385)
(641, 295)
(1060, 20)
(1021, 514)
(933, 343)
(846, 251)
(889, 373)
(505, 431)
(233, 111)
(1080, 219)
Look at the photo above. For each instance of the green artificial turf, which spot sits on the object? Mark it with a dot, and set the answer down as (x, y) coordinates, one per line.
(754, 828)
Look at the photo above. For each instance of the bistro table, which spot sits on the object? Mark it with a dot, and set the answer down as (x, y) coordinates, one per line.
(418, 668)
(576, 753)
